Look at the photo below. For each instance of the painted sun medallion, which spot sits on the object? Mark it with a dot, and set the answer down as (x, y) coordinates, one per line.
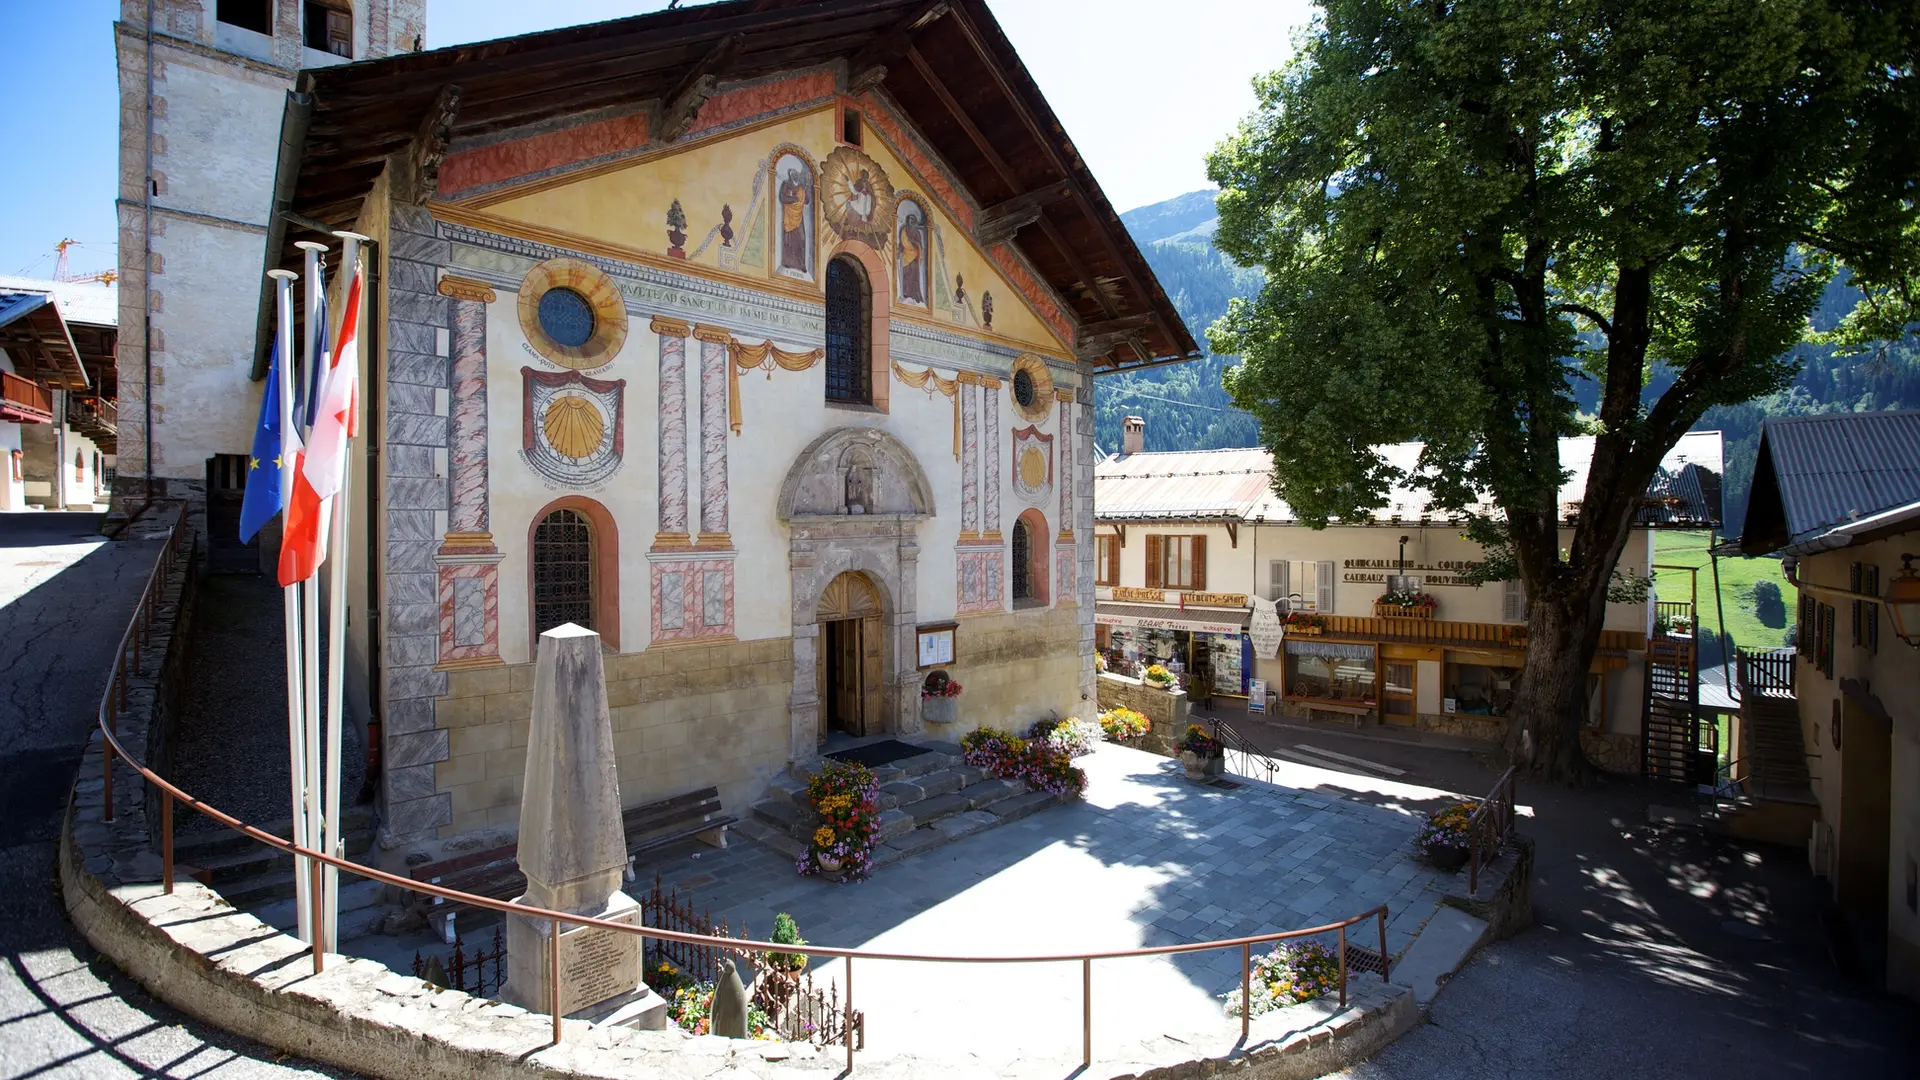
(572, 431)
(1032, 464)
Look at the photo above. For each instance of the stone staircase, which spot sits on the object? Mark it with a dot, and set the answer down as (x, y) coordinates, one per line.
(253, 877)
(1776, 804)
(927, 800)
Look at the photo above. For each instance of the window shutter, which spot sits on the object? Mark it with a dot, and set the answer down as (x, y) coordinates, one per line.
(1324, 586)
(1513, 601)
(1199, 564)
(1277, 583)
(1155, 567)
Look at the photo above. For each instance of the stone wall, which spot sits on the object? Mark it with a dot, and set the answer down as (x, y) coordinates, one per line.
(1166, 710)
(1612, 751)
(683, 719)
(1016, 668)
(1504, 899)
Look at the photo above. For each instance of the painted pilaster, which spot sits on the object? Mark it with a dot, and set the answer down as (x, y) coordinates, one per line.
(969, 455)
(468, 561)
(990, 460)
(713, 434)
(1066, 525)
(673, 433)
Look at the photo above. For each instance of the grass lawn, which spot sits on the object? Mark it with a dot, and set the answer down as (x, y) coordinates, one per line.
(1737, 578)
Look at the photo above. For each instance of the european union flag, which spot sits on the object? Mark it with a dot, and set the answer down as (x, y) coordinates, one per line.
(263, 498)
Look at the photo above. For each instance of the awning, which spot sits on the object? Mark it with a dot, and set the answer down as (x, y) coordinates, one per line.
(1155, 617)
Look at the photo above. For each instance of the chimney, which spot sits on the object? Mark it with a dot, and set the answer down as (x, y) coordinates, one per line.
(1133, 435)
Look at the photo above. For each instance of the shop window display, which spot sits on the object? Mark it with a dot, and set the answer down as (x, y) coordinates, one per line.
(1330, 671)
(1481, 689)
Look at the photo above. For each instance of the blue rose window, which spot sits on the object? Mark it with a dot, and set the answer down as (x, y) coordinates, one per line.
(566, 317)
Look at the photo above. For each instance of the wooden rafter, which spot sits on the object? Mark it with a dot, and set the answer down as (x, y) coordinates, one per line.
(998, 223)
(867, 68)
(429, 147)
(682, 104)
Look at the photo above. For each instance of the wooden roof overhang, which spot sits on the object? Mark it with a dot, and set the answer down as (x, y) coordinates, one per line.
(946, 63)
(43, 346)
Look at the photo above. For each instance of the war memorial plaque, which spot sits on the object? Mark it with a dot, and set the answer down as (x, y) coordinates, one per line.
(597, 963)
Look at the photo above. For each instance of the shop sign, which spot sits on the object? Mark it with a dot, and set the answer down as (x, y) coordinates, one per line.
(1257, 695)
(1190, 623)
(1214, 599)
(1265, 629)
(1126, 593)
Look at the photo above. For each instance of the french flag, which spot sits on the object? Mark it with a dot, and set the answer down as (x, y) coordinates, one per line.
(322, 466)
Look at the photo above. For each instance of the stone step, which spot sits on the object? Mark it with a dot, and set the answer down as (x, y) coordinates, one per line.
(1020, 806)
(768, 836)
(927, 811)
(361, 909)
(794, 820)
(231, 866)
(201, 844)
(988, 792)
(259, 890)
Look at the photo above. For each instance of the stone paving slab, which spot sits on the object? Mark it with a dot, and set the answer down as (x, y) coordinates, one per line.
(1147, 858)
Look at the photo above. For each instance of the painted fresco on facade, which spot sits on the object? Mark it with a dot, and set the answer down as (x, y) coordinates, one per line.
(1032, 464)
(911, 253)
(793, 217)
(857, 197)
(572, 427)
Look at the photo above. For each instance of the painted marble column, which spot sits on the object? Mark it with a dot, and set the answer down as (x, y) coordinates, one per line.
(714, 359)
(673, 432)
(467, 563)
(1065, 398)
(969, 455)
(467, 426)
(990, 463)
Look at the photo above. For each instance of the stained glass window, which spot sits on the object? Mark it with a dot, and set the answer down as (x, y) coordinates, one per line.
(566, 317)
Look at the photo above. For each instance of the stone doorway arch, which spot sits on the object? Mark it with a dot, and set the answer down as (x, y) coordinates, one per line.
(853, 502)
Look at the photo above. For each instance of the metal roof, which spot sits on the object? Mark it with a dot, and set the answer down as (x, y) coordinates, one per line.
(15, 304)
(1237, 485)
(89, 302)
(1813, 473)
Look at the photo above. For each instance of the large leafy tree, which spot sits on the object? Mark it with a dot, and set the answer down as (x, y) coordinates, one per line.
(1465, 207)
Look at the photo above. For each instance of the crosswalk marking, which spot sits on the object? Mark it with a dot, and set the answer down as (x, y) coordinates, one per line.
(1362, 762)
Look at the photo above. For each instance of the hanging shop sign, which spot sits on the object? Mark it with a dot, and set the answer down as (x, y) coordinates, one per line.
(1265, 630)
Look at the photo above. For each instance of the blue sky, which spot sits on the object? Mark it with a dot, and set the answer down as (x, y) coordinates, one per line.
(1143, 95)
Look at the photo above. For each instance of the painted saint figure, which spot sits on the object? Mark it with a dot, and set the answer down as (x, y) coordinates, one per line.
(860, 201)
(796, 206)
(913, 254)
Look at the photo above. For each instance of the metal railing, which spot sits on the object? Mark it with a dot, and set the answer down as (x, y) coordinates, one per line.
(1242, 757)
(114, 701)
(1489, 829)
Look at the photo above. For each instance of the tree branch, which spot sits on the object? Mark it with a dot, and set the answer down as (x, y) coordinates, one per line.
(1594, 316)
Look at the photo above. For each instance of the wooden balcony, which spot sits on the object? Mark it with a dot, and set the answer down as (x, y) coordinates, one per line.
(95, 418)
(24, 401)
(1459, 635)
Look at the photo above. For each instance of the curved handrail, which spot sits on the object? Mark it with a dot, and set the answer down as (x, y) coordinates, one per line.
(171, 792)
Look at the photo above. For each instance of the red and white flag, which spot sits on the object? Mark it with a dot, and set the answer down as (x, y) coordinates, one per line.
(322, 467)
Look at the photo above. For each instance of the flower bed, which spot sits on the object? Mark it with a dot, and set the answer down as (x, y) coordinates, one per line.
(690, 1003)
(1038, 763)
(1290, 974)
(1443, 838)
(847, 798)
(1121, 724)
(1075, 736)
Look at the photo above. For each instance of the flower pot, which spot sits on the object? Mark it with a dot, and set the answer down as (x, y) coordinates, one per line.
(829, 864)
(1447, 857)
(1203, 768)
(939, 710)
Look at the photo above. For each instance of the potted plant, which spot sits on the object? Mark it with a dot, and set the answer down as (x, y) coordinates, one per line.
(1405, 604)
(1158, 675)
(1444, 839)
(1201, 754)
(676, 230)
(784, 968)
(940, 699)
(1123, 725)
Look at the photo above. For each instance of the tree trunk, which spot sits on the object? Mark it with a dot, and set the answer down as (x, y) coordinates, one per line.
(1549, 706)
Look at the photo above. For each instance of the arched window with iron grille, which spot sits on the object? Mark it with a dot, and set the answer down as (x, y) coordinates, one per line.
(849, 344)
(1022, 561)
(562, 571)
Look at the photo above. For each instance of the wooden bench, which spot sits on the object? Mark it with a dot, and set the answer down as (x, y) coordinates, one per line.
(495, 872)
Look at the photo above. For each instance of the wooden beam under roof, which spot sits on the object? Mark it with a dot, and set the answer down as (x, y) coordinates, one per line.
(682, 104)
(867, 68)
(998, 223)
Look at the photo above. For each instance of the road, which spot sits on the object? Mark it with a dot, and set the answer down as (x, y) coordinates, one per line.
(1658, 951)
(65, 596)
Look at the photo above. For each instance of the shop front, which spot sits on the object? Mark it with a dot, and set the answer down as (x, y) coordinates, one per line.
(1206, 647)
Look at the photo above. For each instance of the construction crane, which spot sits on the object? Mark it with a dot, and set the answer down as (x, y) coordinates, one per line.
(62, 273)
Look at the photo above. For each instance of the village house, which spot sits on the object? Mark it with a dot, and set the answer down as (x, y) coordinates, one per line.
(757, 337)
(1830, 744)
(58, 417)
(1186, 540)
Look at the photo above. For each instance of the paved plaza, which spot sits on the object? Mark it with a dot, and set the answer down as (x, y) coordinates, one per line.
(1148, 858)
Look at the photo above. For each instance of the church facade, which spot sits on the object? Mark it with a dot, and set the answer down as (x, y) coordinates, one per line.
(778, 376)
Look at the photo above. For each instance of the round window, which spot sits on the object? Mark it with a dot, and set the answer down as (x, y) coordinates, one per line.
(566, 317)
(1023, 388)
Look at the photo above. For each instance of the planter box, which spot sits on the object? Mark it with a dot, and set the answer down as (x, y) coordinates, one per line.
(1305, 631)
(939, 710)
(1447, 857)
(1199, 768)
(1401, 611)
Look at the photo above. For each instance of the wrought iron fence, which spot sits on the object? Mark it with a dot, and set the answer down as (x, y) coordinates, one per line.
(1489, 829)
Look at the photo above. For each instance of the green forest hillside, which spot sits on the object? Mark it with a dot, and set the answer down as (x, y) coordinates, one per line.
(1186, 407)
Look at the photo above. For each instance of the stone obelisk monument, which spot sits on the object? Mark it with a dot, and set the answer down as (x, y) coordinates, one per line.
(573, 850)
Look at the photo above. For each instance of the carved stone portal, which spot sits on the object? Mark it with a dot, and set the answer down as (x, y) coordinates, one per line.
(853, 501)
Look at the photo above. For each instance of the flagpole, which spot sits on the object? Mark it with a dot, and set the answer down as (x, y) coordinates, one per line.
(310, 588)
(337, 555)
(296, 763)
